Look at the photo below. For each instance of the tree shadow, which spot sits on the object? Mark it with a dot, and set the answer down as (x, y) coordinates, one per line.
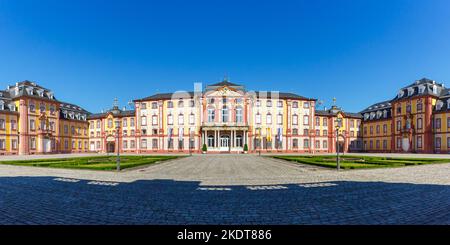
(54, 200)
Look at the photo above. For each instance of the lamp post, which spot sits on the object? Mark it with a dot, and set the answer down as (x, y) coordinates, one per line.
(338, 126)
(118, 144)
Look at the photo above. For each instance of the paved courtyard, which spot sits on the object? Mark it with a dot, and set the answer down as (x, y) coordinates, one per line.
(226, 189)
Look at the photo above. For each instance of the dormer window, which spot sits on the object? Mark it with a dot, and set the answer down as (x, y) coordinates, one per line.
(50, 95)
(29, 90)
(2, 105)
(421, 89)
(372, 115)
(410, 91)
(439, 105)
(448, 104)
(385, 114)
(401, 93)
(65, 114)
(434, 89)
(379, 113)
(40, 93)
(366, 116)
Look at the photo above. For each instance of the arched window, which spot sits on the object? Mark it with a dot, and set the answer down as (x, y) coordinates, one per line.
(224, 114)
(170, 119)
(180, 103)
(258, 118)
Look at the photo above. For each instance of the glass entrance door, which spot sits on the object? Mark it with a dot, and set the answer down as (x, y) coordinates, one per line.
(224, 143)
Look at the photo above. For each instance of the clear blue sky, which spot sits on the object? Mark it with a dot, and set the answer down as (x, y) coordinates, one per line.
(89, 52)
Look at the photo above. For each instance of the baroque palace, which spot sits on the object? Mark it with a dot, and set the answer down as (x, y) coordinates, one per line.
(225, 117)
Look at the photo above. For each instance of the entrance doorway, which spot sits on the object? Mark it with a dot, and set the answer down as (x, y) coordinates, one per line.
(224, 143)
(110, 147)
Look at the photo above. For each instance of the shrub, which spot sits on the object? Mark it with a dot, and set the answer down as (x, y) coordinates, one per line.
(245, 147)
(204, 147)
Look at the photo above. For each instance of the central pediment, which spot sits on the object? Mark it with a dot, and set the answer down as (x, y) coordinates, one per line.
(225, 91)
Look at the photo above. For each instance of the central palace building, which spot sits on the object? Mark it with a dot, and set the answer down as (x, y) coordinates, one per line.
(225, 117)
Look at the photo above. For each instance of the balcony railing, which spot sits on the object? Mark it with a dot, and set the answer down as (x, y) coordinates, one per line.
(224, 124)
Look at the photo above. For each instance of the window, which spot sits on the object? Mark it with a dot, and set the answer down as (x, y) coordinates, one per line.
(325, 144)
(125, 144)
(317, 145)
(211, 114)
(33, 143)
(72, 130)
(2, 124)
(66, 129)
(144, 144)
(2, 144)
(98, 123)
(448, 122)
(258, 103)
(131, 122)
(294, 119)
(305, 143)
(154, 120)
(144, 120)
(317, 121)
(419, 141)
(371, 130)
(180, 103)
(66, 144)
(192, 103)
(42, 107)
(269, 118)
(377, 144)
(79, 145)
(295, 104)
(280, 119)
(132, 144)
(143, 106)
(384, 144)
(399, 143)
(306, 104)
(125, 132)
(295, 143)
(438, 123)
(224, 114)
(325, 132)
(110, 123)
(258, 118)
(325, 122)
(125, 122)
(419, 123)
(169, 104)
(180, 119)
(154, 143)
(269, 103)
(408, 108)
(399, 109)
(419, 106)
(32, 125)
(52, 110)
(239, 118)
(378, 129)
(154, 105)
(384, 128)
(399, 125)
(317, 132)
(294, 131)
(132, 132)
(14, 144)
(170, 119)
(371, 144)
(192, 119)
(280, 103)
(352, 123)
(305, 120)
(32, 107)
(306, 132)
(438, 142)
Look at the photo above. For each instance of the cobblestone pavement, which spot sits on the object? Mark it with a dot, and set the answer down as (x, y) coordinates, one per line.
(226, 189)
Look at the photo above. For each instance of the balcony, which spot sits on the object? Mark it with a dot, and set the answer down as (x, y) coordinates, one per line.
(224, 124)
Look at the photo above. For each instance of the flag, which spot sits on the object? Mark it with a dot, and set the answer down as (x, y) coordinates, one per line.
(280, 134)
(180, 133)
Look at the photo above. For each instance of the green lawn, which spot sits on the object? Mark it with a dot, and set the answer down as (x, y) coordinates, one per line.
(356, 162)
(93, 163)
